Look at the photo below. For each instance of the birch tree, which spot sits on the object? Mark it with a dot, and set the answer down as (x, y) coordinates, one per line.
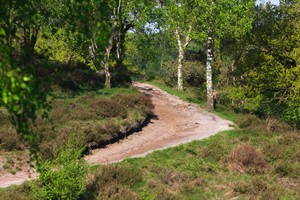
(179, 18)
(231, 18)
(110, 45)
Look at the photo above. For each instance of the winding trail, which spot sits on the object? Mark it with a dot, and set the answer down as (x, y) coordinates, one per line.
(174, 122)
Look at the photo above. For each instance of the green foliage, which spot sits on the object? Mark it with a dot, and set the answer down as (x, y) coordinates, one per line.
(264, 71)
(193, 73)
(224, 18)
(65, 176)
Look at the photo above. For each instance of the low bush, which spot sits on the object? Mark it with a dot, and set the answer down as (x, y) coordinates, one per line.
(139, 102)
(97, 118)
(245, 158)
(253, 187)
(156, 190)
(64, 177)
(9, 139)
(275, 126)
(193, 73)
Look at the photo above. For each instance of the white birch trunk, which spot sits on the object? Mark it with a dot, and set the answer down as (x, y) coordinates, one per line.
(108, 49)
(180, 58)
(119, 38)
(209, 84)
(181, 49)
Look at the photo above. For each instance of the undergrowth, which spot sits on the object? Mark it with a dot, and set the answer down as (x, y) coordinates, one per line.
(96, 117)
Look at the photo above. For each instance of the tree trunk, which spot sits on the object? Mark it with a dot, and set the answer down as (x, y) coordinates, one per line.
(120, 40)
(180, 58)
(181, 49)
(118, 45)
(209, 84)
(108, 49)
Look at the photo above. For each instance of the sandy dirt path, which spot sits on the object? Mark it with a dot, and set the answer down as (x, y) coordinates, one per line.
(174, 122)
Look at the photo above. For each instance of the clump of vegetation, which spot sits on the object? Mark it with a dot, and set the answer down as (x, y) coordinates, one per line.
(139, 102)
(113, 182)
(245, 158)
(108, 108)
(64, 177)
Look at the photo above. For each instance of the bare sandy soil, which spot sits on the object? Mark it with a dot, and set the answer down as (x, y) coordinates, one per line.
(19, 166)
(174, 122)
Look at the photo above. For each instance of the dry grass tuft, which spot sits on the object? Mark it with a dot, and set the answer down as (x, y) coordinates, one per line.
(245, 158)
(173, 178)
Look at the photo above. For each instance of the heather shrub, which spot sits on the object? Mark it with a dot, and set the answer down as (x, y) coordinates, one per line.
(113, 181)
(139, 102)
(107, 108)
(215, 150)
(114, 174)
(117, 192)
(260, 188)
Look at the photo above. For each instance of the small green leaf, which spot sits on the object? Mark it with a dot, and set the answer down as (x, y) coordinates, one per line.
(4, 97)
(23, 85)
(2, 32)
(26, 78)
